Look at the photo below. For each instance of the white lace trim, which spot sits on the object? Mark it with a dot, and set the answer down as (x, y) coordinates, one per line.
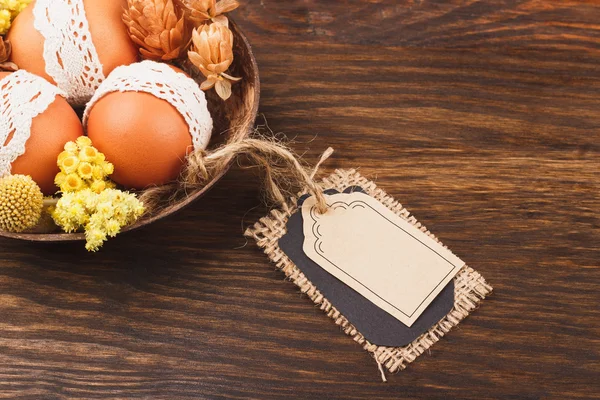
(23, 96)
(163, 82)
(70, 56)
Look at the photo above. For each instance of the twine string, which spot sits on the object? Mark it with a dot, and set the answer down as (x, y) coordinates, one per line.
(381, 371)
(281, 168)
(324, 157)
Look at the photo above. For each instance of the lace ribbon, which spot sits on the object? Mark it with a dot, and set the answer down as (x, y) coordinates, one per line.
(70, 56)
(163, 82)
(23, 96)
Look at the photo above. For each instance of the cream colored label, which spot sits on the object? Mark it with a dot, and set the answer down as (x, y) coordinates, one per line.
(378, 254)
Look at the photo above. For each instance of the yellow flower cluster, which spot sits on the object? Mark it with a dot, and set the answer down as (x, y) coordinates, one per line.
(102, 215)
(9, 9)
(82, 166)
(89, 200)
(21, 202)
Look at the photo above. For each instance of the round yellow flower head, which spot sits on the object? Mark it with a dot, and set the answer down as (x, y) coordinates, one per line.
(112, 227)
(21, 202)
(98, 173)
(63, 155)
(72, 183)
(71, 147)
(108, 168)
(85, 170)
(60, 179)
(69, 164)
(98, 186)
(94, 239)
(83, 141)
(88, 153)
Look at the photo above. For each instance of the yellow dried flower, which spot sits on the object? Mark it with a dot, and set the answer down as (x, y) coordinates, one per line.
(105, 209)
(112, 227)
(64, 155)
(95, 238)
(83, 141)
(212, 54)
(100, 158)
(77, 213)
(60, 179)
(108, 168)
(69, 164)
(98, 172)
(102, 215)
(88, 153)
(85, 170)
(72, 148)
(72, 183)
(98, 186)
(21, 202)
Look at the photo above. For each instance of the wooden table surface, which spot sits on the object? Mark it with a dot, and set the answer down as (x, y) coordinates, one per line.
(481, 117)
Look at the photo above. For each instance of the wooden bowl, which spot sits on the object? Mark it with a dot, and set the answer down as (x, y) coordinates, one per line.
(233, 121)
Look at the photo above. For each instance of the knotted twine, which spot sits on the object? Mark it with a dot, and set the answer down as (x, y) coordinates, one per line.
(284, 174)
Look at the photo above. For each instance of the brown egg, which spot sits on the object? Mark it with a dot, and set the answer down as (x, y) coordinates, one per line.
(108, 32)
(143, 136)
(50, 131)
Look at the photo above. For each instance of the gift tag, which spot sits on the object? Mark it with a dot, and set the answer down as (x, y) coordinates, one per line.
(383, 263)
(378, 254)
(375, 324)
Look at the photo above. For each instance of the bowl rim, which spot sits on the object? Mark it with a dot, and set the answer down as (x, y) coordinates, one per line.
(73, 237)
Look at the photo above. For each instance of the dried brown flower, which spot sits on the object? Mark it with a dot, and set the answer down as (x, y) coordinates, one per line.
(212, 54)
(157, 28)
(5, 50)
(204, 11)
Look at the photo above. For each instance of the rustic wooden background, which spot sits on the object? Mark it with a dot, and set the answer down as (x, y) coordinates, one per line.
(482, 117)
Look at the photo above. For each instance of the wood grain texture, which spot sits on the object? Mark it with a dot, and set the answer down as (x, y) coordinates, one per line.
(481, 117)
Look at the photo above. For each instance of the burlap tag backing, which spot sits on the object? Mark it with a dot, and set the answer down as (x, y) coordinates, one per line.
(470, 287)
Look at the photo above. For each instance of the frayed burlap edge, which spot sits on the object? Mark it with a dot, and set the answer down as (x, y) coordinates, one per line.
(469, 286)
